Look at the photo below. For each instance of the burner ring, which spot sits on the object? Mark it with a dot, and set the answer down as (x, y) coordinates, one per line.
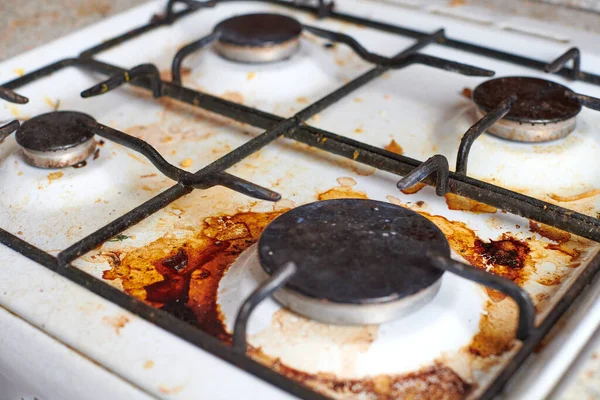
(258, 38)
(55, 140)
(359, 261)
(541, 113)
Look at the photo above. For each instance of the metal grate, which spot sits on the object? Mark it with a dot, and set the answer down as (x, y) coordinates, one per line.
(147, 76)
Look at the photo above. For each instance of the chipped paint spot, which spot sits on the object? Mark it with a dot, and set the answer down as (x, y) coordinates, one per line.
(346, 181)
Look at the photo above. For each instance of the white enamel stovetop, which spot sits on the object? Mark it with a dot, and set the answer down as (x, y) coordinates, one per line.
(60, 341)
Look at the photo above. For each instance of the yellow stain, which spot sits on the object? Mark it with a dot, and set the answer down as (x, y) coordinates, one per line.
(251, 75)
(19, 71)
(14, 110)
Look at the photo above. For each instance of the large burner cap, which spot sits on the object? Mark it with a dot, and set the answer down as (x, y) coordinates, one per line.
(359, 261)
(258, 38)
(55, 140)
(542, 111)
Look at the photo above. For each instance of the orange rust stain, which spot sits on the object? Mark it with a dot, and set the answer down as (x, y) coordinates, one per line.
(182, 276)
(394, 147)
(54, 176)
(117, 322)
(508, 256)
(415, 188)
(433, 382)
(549, 232)
(467, 92)
(456, 202)
(342, 192)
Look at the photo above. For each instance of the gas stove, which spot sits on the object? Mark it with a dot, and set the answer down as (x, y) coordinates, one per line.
(358, 200)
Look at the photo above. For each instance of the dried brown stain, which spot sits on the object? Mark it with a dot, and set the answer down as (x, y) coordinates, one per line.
(549, 232)
(433, 382)
(456, 202)
(117, 322)
(182, 275)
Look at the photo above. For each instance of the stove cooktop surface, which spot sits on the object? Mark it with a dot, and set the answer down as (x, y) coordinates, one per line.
(339, 111)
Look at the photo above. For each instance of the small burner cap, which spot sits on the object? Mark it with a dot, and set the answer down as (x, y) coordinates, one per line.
(541, 113)
(55, 139)
(258, 38)
(359, 261)
(538, 101)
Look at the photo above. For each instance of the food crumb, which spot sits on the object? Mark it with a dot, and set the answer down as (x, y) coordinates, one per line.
(387, 97)
(358, 100)
(186, 162)
(251, 75)
(468, 93)
(457, 3)
(148, 364)
(359, 130)
(19, 71)
(302, 100)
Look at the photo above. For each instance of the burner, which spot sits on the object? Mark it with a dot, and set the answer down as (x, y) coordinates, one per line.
(55, 140)
(543, 110)
(258, 38)
(359, 261)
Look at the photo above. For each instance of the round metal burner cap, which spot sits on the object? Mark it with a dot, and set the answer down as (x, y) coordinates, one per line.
(258, 38)
(541, 113)
(55, 140)
(359, 261)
